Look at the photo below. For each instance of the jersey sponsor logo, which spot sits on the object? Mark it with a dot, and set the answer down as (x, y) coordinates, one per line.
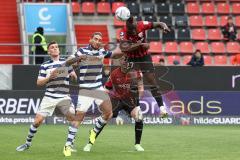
(145, 22)
(124, 86)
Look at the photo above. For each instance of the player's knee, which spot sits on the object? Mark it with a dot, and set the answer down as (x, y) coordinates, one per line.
(37, 123)
(107, 116)
(151, 78)
(75, 124)
(137, 114)
(133, 115)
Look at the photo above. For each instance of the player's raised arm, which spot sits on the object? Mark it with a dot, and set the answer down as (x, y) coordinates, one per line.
(73, 59)
(117, 53)
(161, 25)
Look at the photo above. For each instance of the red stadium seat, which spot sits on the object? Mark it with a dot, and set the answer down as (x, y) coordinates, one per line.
(214, 34)
(204, 1)
(211, 21)
(186, 47)
(232, 1)
(156, 58)
(218, 47)
(118, 23)
(195, 21)
(208, 8)
(220, 1)
(193, 8)
(56, 1)
(223, 8)
(198, 34)
(236, 8)
(171, 47)
(203, 47)
(237, 21)
(155, 47)
(223, 20)
(190, 1)
(88, 7)
(220, 60)
(186, 59)
(172, 58)
(231, 58)
(207, 60)
(103, 8)
(115, 6)
(233, 47)
(76, 7)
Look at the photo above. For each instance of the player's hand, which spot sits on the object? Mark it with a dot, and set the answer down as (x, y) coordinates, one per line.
(125, 45)
(53, 74)
(82, 57)
(165, 28)
(146, 46)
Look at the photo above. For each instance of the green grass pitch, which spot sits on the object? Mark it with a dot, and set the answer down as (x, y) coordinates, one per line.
(116, 143)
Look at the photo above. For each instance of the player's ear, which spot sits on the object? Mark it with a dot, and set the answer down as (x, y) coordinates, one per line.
(90, 41)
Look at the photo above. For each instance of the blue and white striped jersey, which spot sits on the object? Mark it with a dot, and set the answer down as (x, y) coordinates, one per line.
(90, 76)
(58, 87)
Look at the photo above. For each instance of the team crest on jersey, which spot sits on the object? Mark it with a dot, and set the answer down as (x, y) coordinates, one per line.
(121, 36)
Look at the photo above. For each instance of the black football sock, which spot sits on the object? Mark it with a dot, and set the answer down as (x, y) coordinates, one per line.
(138, 131)
(157, 95)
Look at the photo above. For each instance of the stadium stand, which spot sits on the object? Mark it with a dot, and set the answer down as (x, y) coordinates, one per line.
(9, 32)
(171, 47)
(186, 59)
(115, 5)
(195, 24)
(88, 7)
(156, 58)
(83, 33)
(203, 46)
(155, 47)
(186, 48)
(163, 8)
(173, 59)
(196, 21)
(103, 8)
(183, 34)
(153, 35)
(211, 21)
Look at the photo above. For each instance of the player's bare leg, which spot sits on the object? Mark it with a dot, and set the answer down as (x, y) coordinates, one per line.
(101, 121)
(32, 131)
(151, 81)
(72, 130)
(137, 115)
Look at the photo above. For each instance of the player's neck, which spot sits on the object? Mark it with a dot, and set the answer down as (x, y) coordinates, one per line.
(55, 58)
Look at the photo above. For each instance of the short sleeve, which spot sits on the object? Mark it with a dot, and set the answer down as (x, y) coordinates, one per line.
(78, 53)
(42, 72)
(145, 25)
(122, 35)
(109, 84)
(105, 54)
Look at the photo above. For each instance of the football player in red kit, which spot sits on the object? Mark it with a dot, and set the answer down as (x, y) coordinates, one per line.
(124, 86)
(133, 44)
